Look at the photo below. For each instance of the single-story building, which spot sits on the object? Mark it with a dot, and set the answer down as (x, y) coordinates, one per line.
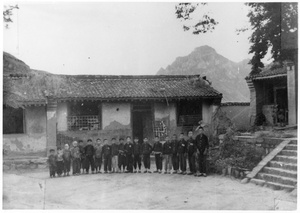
(60, 108)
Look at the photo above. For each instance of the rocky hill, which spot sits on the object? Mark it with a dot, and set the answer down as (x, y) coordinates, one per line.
(227, 77)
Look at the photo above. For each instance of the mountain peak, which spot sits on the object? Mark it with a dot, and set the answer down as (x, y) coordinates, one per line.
(204, 48)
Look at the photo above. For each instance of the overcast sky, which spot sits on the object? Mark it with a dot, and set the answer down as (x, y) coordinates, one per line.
(116, 38)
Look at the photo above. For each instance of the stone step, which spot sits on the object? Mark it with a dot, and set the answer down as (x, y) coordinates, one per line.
(291, 147)
(289, 153)
(277, 179)
(278, 186)
(283, 165)
(275, 186)
(286, 159)
(281, 172)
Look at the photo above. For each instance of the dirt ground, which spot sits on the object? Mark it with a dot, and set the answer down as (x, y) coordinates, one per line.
(35, 190)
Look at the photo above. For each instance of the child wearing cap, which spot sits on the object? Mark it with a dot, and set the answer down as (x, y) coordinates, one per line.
(67, 159)
(52, 163)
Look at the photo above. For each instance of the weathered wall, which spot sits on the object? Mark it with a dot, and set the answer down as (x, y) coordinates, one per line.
(33, 141)
(207, 110)
(116, 116)
(62, 113)
(239, 115)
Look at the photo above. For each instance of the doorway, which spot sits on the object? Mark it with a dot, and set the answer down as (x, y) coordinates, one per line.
(142, 120)
(281, 101)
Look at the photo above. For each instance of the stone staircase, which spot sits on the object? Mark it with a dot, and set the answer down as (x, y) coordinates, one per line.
(281, 172)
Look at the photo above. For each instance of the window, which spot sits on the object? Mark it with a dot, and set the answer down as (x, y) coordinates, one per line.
(189, 113)
(13, 120)
(84, 115)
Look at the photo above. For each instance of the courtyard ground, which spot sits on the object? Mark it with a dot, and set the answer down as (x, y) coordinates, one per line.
(35, 190)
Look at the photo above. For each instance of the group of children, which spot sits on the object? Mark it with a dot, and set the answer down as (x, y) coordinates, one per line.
(127, 157)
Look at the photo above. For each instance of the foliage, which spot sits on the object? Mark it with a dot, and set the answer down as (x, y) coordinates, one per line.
(184, 12)
(260, 119)
(7, 13)
(236, 154)
(269, 22)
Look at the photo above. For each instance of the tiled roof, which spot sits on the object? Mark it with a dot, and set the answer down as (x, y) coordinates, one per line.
(268, 73)
(116, 88)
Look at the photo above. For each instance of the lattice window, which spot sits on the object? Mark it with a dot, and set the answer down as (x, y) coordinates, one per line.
(84, 122)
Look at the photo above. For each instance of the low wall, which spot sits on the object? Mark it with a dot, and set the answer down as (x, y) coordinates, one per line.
(23, 144)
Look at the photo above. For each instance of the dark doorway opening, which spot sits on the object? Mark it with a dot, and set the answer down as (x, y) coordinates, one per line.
(142, 120)
(281, 101)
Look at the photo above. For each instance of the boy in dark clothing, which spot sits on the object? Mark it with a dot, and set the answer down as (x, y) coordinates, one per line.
(129, 154)
(192, 150)
(137, 151)
(98, 156)
(202, 146)
(59, 162)
(146, 150)
(182, 152)
(167, 152)
(157, 150)
(106, 152)
(67, 159)
(89, 151)
(75, 155)
(52, 163)
(82, 156)
(121, 156)
(175, 158)
(114, 153)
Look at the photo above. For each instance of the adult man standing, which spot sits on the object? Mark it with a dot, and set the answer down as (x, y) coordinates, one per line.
(191, 150)
(202, 146)
(175, 158)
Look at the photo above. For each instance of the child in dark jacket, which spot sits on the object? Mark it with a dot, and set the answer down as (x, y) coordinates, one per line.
(122, 156)
(146, 150)
(129, 154)
(137, 152)
(52, 163)
(59, 162)
(182, 152)
(75, 154)
(67, 159)
(106, 152)
(167, 152)
(98, 156)
(89, 151)
(157, 150)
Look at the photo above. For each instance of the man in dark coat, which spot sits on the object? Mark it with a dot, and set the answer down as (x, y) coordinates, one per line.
(167, 152)
(106, 152)
(122, 155)
(202, 146)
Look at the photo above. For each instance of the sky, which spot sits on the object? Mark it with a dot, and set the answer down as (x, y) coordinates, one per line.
(116, 38)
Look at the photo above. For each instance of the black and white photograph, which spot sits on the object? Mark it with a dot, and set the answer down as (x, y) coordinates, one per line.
(143, 105)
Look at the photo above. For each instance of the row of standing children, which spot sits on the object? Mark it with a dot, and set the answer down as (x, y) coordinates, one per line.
(128, 157)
